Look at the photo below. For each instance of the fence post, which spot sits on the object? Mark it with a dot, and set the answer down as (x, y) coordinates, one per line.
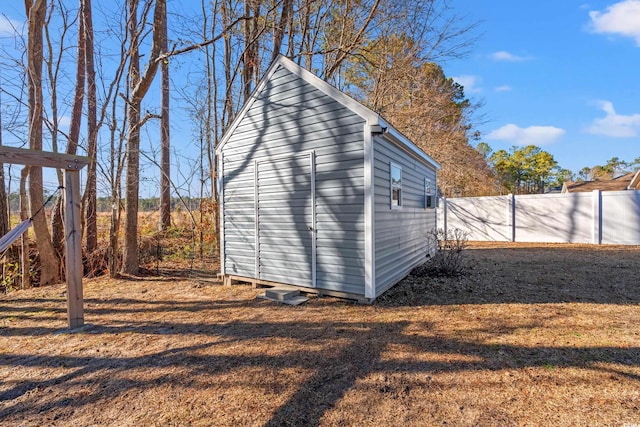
(444, 215)
(596, 233)
(511, 219)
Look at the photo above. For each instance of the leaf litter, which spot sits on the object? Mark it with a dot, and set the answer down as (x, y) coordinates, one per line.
(530, 334)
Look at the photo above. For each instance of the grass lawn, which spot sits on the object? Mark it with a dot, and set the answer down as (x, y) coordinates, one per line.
(530, 335)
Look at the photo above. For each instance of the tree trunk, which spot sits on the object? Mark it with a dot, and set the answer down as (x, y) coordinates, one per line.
(247, 69)
(90, 199)
(24, 240)
(278, 32)
(57, 229)
(4, 209)
(49, 262)
(227, 109)
(165, 154)
(210, 120)
(4, 205)
(57, 226)
(130, 251)
(116, 166)
(139, 87)
(52, 63)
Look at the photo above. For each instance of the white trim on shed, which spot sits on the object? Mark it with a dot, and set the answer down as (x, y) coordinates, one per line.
(369, 212)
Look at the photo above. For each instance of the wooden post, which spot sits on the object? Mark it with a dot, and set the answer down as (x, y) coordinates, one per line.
(73, 228)
(73, 261)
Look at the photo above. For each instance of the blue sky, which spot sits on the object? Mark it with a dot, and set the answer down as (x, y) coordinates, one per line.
(562, 75)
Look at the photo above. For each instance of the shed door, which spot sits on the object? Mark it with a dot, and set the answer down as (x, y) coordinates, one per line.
(285, 229)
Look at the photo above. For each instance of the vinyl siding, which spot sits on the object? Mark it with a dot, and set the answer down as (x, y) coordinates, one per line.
(401, 234)
(239, 221)
(285, 211)
(289, 117)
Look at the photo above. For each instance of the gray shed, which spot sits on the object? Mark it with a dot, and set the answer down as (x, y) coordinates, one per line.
(320, 192)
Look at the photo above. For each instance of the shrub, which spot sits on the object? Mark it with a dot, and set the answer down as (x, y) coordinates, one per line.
(10, 276)
(448, 259)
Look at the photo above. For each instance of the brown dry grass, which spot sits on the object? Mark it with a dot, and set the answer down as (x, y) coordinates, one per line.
(531, 335)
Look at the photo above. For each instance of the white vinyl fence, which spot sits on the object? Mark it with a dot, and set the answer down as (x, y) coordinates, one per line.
(611, 217)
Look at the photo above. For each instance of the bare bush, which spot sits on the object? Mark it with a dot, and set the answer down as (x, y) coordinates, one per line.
(448, 259)
(96, 263)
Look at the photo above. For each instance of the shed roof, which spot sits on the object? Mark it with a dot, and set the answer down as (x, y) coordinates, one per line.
(369, 115)
(628, 181)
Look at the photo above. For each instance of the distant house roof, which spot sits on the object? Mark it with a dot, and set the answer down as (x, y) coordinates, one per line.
(628, 181)
(553, 189)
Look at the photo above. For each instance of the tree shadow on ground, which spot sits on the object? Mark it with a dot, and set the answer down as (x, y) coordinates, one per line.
(332, 357)
(343, 353)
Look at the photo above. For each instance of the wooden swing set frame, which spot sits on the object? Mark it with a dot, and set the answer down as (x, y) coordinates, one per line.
(72, 221)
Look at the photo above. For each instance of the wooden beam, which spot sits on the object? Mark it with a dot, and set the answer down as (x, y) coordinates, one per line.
(47, 159)
(72, 225)
(73, 246)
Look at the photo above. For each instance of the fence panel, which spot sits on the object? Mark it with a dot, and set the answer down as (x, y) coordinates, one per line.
(484, 218)
(621, 217)
(554, 218)
(596, 217)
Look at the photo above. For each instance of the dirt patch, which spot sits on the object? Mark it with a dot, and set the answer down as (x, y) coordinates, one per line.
(530, 273)
(531, 335)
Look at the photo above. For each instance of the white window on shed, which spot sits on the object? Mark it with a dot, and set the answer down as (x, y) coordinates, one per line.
(429, 194)
(395, 179)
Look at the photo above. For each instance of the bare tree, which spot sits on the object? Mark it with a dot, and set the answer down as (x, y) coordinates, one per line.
(227, 110)
(76, 115)
(348, 35)
(24, 240)
(4, 205)
(112, 166)
(396, 74)
(238, 39)
(139, 85)
(281, 27)
(251, 58)
(115, 160)
(165, 142)
(90, 217)
(49, 262)
(130, 257)
(209, 125)
(53, 60)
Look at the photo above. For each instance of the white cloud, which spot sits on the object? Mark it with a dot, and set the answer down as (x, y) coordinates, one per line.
(614, 124)
(503, 88)
(532, 135)
(469, 82)
(622, 18)
(9, 27)
(503, 55)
